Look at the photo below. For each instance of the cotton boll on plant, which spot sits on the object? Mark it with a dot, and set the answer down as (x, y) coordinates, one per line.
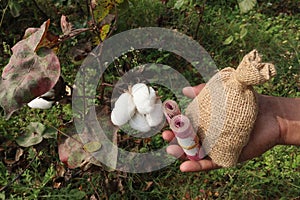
(124, 109)
(144, 98)
(155, 117)
(139, 107)
(42, 102)
(139, 123)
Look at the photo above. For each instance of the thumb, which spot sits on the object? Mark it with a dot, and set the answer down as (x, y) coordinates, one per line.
(192, 92)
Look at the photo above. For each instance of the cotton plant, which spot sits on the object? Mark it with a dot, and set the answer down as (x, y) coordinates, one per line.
(139, 107)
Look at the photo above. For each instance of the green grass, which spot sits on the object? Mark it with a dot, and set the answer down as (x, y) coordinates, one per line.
(274, 175)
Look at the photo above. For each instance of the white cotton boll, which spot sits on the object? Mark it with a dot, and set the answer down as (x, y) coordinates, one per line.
(118, 119)
(152, 95)
(124, 109)
(155, 117)
(40, 103)
(140, 87)
(49, 94)
(143, 97)
(139, 122)
(125, 100)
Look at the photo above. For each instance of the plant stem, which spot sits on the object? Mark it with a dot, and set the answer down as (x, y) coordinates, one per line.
(3, 14)
(201, 13)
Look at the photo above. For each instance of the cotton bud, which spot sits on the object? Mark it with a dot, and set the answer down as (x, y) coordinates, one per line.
(124, 109)
(155, 117)
(139, 107)
(139, 122)
(144, 98)
(41, 103)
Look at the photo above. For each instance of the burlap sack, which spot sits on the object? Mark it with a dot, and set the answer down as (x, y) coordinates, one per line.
(225, 110)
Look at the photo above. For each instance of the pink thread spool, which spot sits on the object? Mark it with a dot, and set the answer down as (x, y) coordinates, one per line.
(186, 137)
(170, 109)
(183, 130)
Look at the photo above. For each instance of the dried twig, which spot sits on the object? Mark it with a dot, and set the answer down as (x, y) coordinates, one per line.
(3, 14)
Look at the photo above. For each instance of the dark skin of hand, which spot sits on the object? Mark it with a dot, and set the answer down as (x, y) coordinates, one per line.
(277, 123)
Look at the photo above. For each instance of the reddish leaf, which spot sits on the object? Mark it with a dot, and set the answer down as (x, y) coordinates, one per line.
(32, 71)
(29, 32)
(71, 151)
(66, 26)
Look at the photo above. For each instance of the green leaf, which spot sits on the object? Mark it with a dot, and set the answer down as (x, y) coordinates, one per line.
(50, 132)
(92, 146)
(246, 5)
(14, 8)
(32, 136)
(243, 32)
(104, 31)
(77, 194)
(228, 40)
(35, 132)
(32, 71)
(2, 196)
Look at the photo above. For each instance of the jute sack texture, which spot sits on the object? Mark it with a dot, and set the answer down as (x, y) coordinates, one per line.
(225, 110)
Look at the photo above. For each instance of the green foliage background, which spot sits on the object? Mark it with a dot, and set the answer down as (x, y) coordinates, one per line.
(271, 27)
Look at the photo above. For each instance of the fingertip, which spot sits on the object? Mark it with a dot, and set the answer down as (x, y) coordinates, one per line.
(190, 166)
(168, 135)
(192, 92)
(175, 150)
(189, 92)
(195, 166)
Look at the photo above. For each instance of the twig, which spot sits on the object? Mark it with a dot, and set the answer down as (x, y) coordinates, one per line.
(70, 35)
(3, 14)
(91, 13)
(93, 186)
(107, 84)
(19, 175)
(201, 13)
(66, 135)
(114, 25)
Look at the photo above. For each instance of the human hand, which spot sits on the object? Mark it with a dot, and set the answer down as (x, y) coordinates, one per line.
(265, 134)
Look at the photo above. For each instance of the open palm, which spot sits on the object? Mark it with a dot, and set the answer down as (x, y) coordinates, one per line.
(265, 135)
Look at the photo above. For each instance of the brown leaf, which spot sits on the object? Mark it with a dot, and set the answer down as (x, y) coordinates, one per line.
(66, 26)
(19, 153)
(60, 170)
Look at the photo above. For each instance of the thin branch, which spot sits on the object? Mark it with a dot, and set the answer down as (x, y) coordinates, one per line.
(200, 19)
(93, 186)
(94, 23)
(3, 14)
(65, 134)
(72, 34)
(114, 25)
